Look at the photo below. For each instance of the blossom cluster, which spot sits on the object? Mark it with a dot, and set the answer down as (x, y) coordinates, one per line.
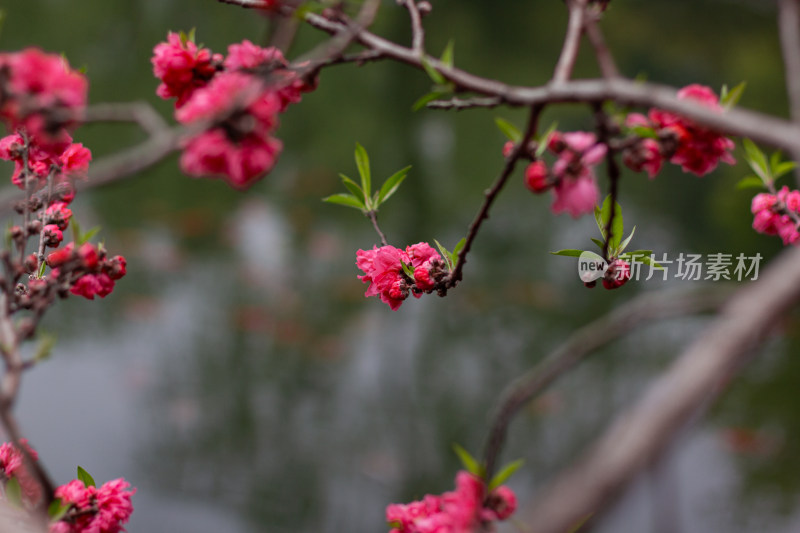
(777, 214)
(466, 509)
(85, 508)
(235, 100)
(13, 466)
(93, 509)
(387, 270)
(668, 137)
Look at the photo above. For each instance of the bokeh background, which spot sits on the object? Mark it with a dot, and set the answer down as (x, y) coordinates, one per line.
(240, 380)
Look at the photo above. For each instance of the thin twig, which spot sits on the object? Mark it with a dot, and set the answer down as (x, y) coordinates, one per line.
(587, 341)
(417, 31)
(612, 169)
(641, 433)
(572, 41)
(141, 113)
(460, 104)
(491, 194)
(373, 217)
(605, 60)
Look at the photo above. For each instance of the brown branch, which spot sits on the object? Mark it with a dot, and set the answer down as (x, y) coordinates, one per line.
(757, 126)
(417, 31)
(694, 380)
(141, 113)
(373, 217)
(491, 194)
(584, 343)
(612, 169)
(460, 104)
(605, 60)
(572, 41)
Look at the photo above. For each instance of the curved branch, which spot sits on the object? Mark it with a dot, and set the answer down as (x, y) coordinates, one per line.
(585, 342)
(572, 41)
(694, 380)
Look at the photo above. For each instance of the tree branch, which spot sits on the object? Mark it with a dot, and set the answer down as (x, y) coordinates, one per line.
(757, 126)
(417, 31)
(572, 41)
(648, 307)
(694, 380)
(490, 195)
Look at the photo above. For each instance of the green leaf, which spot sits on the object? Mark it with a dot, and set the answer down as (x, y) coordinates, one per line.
(87, 478)
(346, 200)
(362, 162)
(580, 524)
(750, 182)
(352, 186)
(407, 269)
(14, 492)
(505, 473)
(645, 132)
(509, 130)
(617, 226)
(642, 256)
(756, 159)
(447, 55)
(570, 252)
(446, 255)
(783, 168)
(470, 464)
(728, 99)
(598, 218)
(426, 99)
(544, 139)
(627, 241)
(41, 269)
(46, 344)
(600, 244)
(433, 74)
(648, 260)
(57, 510)
(775, 159)
(391, 185)
(459, 246)
(86, 237)
(76, 230)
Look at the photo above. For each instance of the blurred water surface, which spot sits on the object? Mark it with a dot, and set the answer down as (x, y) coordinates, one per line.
(241, 381)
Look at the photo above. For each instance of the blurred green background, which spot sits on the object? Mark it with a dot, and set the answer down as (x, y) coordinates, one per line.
(238, 377)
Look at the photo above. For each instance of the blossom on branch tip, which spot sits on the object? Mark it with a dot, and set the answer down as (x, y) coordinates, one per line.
(575, 190)
(383, 270)
(777, 214)
(465, 510)
(101, 509)
(182, 68)
(537, 177)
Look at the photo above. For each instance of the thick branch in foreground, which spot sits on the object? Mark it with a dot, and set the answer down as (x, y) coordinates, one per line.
(698, 376)
(586, 341)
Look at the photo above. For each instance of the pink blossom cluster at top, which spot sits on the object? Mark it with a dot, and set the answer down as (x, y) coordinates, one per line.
(12, 465)
(41, 95)
(695, 148)
(572, 178)
(777, 214)
(464, 510)
(41, 100)
(383, 270)
(236, 98)
(94, 510)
